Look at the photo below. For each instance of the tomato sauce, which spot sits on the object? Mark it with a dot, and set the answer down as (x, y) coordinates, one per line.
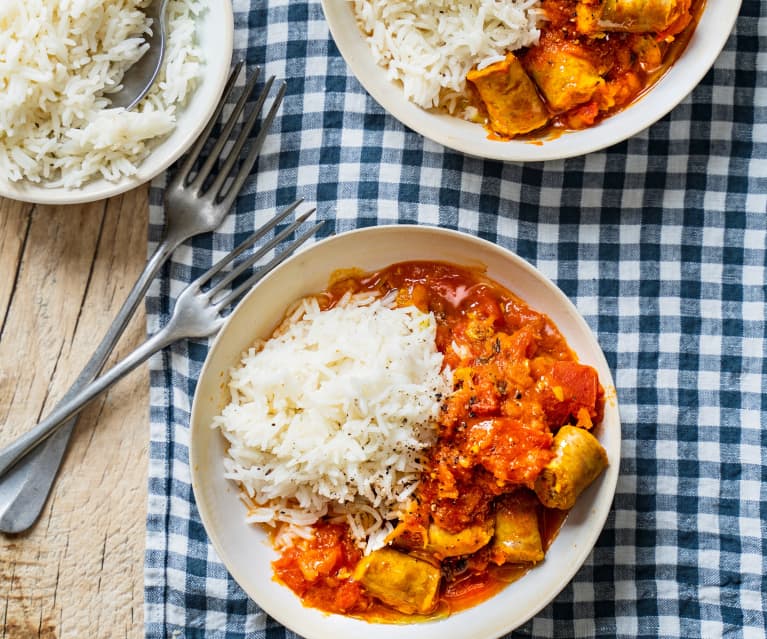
(516, 382)
(319, 569)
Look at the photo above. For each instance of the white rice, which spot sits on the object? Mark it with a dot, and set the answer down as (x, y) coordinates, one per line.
(57, 60)
(332, 415)
(430, 45)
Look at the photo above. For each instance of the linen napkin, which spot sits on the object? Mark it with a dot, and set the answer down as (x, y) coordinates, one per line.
(660, 243)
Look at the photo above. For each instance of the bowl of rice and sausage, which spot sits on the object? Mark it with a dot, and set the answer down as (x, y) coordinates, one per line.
(529, 80)
(417, 436)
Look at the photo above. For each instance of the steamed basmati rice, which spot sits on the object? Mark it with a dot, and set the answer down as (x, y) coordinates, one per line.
(57, 60)
(332, 415)
(430, 45)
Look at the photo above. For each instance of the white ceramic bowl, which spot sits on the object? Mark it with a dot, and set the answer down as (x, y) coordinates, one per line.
(215, 32)
(245, 549)
(705, 45)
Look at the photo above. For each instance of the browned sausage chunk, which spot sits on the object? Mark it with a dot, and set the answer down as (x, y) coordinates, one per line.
(563, 72)
(517, 536)
(578, 460)
(445, 544)
(512, 103)
(631, 16)
(403, 582)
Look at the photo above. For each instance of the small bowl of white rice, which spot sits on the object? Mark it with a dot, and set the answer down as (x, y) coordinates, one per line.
(277, 353)
(61, 141)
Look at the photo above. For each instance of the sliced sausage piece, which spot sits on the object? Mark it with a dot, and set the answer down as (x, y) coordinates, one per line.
(446, 544)
(632, 16)
(517, 535)
(403, 582)
(510, 98)
(563, 71)
(579, 459)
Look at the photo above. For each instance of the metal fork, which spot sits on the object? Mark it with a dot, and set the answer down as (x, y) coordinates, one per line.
(192, 207)
(197, 313)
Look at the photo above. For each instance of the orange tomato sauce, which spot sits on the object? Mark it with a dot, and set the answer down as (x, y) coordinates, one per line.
(515, 382)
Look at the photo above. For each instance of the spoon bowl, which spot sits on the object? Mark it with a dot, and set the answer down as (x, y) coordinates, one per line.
(141, 76)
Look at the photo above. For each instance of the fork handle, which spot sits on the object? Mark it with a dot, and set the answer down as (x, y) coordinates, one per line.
(71, 406)
(25, 487)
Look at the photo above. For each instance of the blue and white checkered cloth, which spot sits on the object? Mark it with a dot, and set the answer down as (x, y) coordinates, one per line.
(660, 243)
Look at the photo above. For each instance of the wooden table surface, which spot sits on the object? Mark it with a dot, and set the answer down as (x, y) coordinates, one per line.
(64, 272)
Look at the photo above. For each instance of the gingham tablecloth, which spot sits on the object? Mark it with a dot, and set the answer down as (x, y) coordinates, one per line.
(660, 243)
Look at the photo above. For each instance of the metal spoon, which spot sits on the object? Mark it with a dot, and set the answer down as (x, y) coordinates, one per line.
(141, 76)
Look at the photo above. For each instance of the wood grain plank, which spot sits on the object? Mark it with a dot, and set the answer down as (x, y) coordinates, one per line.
(14, 229)
(78, 572)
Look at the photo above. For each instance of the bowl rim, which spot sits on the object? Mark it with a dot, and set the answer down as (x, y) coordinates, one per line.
(425, 630)
(677, 83)
(100, 188)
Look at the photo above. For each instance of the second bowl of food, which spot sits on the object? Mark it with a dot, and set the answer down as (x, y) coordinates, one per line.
(529, 80)
(404, 432)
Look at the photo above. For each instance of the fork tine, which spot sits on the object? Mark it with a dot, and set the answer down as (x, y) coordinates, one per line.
(225, 132)
(248, 242)
(242, 137)
(255, 148)
(183, 172)
(247, 263)
(277, 259)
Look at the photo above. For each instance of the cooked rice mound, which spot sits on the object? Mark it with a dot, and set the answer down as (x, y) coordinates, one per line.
(332, 415)
(430, 45)
(59, 59)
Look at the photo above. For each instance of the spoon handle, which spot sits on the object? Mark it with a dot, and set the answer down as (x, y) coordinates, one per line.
(24, 487)
(69, 408)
